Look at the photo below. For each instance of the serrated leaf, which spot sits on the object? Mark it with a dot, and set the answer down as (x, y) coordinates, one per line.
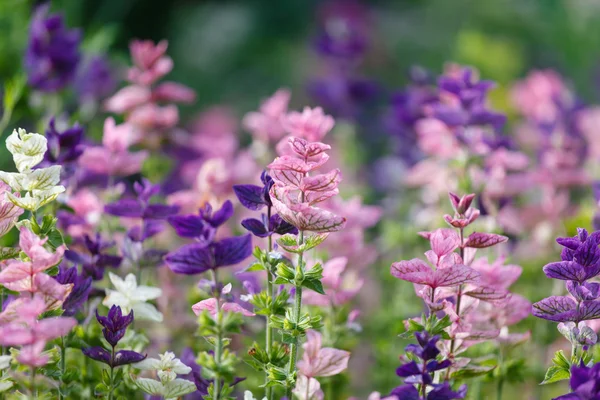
(314, 285)
(150, 386)
(178, 388)
(555, 374)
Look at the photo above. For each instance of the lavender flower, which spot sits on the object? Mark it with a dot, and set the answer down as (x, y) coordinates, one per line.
(580, 262)
(52, 55)
(140, 207)
(255, 197)
(421, 373)
(585, 383)
(114, 327)
(95, 80)
(206, 253)
(63, 147)
(79, 294)
(94, 263)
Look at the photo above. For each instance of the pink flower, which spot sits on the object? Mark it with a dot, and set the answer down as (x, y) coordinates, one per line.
(496, 274)
(321, 361)
(151, 117)
(339, 288)
(150, 61)
(295, 192)
(88, 209)
(127, 99)
(114, 157)
(9, 213)
(266, 124)
(308, 389)
(437, 139)
(535, 96)
(311, 125)
(173, 92)
(214, 133)
(32, 334)
(210, 305)
(22, 275)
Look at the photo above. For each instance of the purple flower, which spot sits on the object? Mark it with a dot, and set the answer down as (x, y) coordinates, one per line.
(94, 263)
(342, 94)
(202, 226)
(584, 382)
(255, 198)
(421, 372)
(140, 207)
(63, 147)
(199, 257)
(95, 80)
(52, 55)
(580, 262)
(80, 292)
(114, 326)
(202, 384)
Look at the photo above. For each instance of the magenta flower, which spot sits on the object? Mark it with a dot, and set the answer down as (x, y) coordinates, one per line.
(25, 330)
(321, 361)
(210, 305)
(9, 213)
(114, 157)
(266, 123)
(28, 276)
(417, 271)
(295, 192)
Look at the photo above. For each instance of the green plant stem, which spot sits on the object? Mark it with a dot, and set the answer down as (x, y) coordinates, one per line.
(269, 329)
(63, 365)
(219, 341)
(112, 375)
(297, 312)
(33, 390)
(2, 309)
(500, 386)
(460, 288)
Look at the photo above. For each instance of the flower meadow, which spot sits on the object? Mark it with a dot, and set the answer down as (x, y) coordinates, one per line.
(341, 240)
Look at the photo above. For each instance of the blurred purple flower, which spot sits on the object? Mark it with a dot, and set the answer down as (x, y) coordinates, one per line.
(97, 259)
(63, 147)
(79, 294)
(52, 55)
(95, 79)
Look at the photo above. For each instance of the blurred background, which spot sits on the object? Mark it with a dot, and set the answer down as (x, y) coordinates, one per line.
(236, 53)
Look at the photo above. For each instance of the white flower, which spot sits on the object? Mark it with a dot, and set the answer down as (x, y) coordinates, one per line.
(129, 296)
(249, 396)
(41, 185)
(5, 362)
(167, 369)
(27, 149)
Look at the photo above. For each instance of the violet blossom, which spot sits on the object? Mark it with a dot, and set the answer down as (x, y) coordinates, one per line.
(82, 287)
(206, 253)
(255, 197)
(52, 54)
(114, 326)
(580, 263)
(584, 383)
(97, 258)
(420, 373)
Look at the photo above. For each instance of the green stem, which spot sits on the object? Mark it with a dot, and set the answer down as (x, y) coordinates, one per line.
(2, 309)
(33, 390)
(297, 312)
(112, 375)
(500, 386)
(63, 365)
(219, 341)
(460, 288)
(269, 329)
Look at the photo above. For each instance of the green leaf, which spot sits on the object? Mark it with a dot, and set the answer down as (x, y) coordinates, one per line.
(555, 374)
(7, 253)
(314, 240)
(314, 285)
(561, 361)
(255, 267)
(150, 386)
(472, 371)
